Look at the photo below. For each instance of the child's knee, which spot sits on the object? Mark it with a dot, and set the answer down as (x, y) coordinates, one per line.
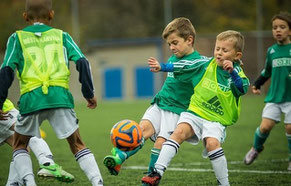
(212, 144)
(76, 143)
(288, 128)
(179, 135)
(147, 128)
(159, 142)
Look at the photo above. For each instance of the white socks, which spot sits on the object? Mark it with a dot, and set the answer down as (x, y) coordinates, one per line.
(13, 176)
(41, 150)
(219, 165)
(169, 150)
(23, 166)
(89, 166)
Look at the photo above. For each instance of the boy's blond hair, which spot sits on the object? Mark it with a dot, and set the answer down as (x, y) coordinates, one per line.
(182, 27)
(236, 36)
(38, 9)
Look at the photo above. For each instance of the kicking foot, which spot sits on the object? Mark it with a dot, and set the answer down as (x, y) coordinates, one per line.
(112, 164)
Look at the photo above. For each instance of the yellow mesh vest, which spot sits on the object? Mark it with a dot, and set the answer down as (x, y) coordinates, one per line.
(212, 103)
(7, 106)
(44, 61)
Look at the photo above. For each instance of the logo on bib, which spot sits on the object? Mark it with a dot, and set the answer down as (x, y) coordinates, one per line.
(213, 105)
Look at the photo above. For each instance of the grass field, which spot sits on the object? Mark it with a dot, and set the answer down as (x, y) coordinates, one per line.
(187, 168)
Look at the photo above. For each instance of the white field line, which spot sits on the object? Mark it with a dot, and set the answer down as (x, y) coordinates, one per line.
(210, 170)
(228, 162)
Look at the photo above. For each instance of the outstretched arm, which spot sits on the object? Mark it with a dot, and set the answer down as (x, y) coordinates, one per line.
(85, 78)
(154, 64)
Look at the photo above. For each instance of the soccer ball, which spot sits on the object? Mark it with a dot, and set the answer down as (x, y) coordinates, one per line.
(126, 135)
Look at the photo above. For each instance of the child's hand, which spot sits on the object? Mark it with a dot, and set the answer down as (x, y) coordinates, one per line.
(154, 64)
(92, 102)
(255, 90)
(3, 115)
(227, 65)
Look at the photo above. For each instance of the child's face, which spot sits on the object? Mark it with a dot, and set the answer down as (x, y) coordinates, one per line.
(224, 50)
(179, 46)
(281, 31)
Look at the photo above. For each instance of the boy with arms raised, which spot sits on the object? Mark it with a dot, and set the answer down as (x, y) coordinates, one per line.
(41, 150)
(215, 104)
(41, 56)
(160, 119)
(278, 99)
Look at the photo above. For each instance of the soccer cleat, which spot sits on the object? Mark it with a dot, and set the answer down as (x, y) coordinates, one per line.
(113, 162)
(153, 178)
(251, 156)
(289, 167)
(55, 171)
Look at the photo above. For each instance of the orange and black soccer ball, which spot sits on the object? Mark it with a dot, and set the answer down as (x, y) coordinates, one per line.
(126, 135)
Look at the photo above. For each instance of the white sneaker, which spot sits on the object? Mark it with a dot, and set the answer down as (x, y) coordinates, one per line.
(251, 156)
(289, 168)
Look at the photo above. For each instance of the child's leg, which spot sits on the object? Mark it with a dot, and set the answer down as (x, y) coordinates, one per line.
(85, 158)
(218, 161)
(260, 137)
(155, 152)
(169, 150)
(13, 178)
(41, 150)
(22, 159)
(170, 147)
(12, 175)
(288, 135)
(48, 168)
(262, 133)
(113, 162)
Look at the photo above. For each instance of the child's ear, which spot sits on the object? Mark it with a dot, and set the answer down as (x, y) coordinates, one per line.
(190, 39)
(25, 16)
(238, 55)
(51, 15)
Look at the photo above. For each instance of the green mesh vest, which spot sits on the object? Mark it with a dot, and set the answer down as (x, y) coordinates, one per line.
(212, 103)
(44, 61)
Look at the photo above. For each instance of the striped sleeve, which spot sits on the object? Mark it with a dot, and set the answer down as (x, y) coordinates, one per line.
(72, 51)
(12, 53)
(245, 82)
(267, 71)
(187, 65)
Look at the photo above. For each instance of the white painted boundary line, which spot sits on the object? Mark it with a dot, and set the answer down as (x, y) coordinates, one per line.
(210, 170)
(229, 162)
